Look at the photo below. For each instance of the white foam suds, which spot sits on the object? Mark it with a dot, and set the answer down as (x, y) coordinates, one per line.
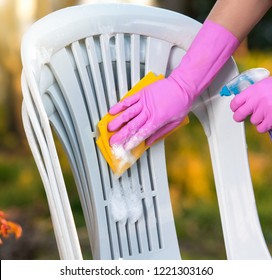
(134, 202)
(126, 202)
(118, 206)
(124, 156)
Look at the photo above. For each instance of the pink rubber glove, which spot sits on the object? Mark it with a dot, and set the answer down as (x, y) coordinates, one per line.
(149, 112)
(160, 107)
(256, 101)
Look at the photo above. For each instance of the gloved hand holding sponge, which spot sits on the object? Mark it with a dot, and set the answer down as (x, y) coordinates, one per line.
(161, 106)
(148, 116)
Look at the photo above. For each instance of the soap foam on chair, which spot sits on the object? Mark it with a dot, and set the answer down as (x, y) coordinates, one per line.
(126, 203)
(125, 157)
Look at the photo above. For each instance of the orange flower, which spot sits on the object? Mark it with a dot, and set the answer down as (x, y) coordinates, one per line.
(8, 227)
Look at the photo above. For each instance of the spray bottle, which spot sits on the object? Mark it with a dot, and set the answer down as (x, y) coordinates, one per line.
(243, 81)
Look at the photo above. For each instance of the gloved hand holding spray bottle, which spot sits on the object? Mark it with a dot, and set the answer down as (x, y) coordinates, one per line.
(241, 83)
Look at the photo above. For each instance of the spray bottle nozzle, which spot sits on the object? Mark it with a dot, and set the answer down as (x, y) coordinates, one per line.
(244, 80)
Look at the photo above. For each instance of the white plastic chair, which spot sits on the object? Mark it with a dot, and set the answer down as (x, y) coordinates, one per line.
(79, 61)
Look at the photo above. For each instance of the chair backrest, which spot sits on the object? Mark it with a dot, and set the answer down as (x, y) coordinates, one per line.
(79, 61)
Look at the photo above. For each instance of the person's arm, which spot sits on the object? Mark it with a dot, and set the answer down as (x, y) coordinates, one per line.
(162, 106)
(239, 16)
(256, 101)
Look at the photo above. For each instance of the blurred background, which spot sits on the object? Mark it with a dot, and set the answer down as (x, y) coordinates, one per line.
(193, 195)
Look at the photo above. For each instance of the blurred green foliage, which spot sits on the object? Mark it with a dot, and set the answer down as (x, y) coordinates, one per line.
(259, 38)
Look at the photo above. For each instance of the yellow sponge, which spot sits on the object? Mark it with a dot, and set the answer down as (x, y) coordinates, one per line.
(119, 161)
